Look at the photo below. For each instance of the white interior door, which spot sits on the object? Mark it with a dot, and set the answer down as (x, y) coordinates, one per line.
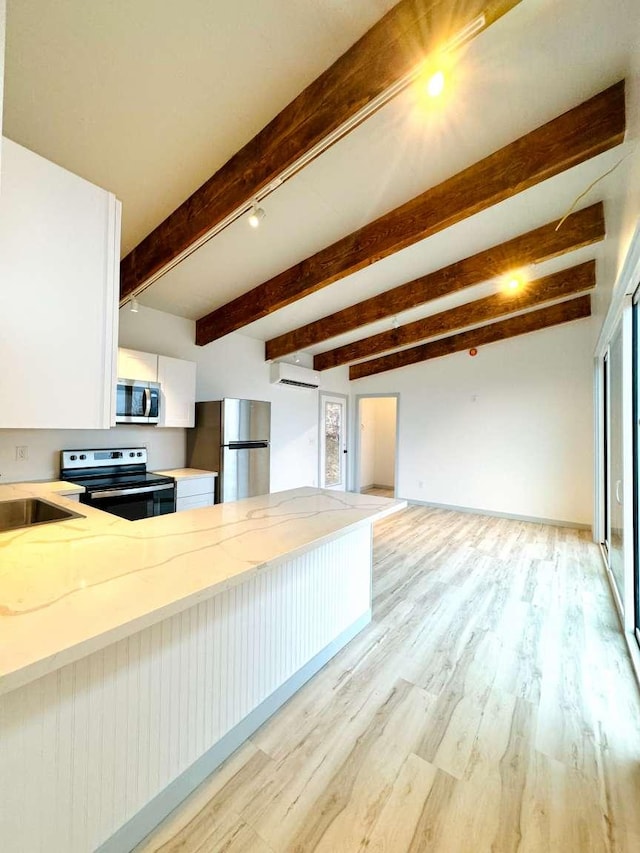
(333, 442)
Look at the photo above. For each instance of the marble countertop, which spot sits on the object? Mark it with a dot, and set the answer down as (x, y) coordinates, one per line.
(187, 473)
(72, 587)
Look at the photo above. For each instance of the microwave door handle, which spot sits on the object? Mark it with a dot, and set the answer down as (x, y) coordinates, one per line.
(147, 402)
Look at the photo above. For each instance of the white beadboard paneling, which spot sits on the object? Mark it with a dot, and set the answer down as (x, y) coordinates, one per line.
(85, 748)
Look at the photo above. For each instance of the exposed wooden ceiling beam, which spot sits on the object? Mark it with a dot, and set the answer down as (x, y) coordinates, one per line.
(389, 51)
(561, 284)
(554, 315)
(580, 229)
(579, 134)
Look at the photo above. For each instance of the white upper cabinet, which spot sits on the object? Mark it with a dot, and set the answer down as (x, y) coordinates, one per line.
(3, 27)
(59, 267)
(177, 379)
(137, 365)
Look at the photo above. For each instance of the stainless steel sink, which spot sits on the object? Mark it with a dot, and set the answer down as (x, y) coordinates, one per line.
(27, 512)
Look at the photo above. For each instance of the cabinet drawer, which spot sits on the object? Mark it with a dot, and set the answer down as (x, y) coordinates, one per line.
(195, 486)
(193, 502)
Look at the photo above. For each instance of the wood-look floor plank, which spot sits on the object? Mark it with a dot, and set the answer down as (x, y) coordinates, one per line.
(489, 707)
(212, 824)
(396, 824)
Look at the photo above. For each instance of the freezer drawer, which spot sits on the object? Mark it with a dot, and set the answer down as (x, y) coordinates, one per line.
(244, 473)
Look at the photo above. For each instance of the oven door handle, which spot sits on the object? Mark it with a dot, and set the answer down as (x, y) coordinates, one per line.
(117, 493)
(147, 402)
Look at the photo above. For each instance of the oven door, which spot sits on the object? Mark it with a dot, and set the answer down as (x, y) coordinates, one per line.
(135, 503)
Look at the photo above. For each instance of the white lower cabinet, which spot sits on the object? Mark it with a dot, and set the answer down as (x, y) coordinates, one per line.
(59, 266)
(194, 492)
(193, 502)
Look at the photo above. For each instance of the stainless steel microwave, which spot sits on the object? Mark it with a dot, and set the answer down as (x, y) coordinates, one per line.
(137, 402)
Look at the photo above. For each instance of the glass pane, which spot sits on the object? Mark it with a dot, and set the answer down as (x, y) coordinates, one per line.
(332, 442)
(615, 467)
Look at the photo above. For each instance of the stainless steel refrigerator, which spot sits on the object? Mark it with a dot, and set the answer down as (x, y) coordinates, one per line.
(232, 437)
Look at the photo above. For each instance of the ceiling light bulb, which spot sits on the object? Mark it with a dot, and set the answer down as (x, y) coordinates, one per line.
(514, 281)
(256, 216)
(133, 305)
(435, 84)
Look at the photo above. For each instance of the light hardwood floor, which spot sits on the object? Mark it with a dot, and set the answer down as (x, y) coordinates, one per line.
(382, 493)
(490, 706)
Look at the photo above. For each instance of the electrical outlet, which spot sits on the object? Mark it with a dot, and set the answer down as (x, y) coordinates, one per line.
(22, 453)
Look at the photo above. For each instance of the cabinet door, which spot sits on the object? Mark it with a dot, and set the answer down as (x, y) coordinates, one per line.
(196, 486)
(177, 379)
(59, 248)
(193, 502)
(3, 26)
(137, 365)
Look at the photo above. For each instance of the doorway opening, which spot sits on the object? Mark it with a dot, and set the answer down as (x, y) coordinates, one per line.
(377, 445)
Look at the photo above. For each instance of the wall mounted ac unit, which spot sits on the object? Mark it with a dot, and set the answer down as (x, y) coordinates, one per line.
(292, 374)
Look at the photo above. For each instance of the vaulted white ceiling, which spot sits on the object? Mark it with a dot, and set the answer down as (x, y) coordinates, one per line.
(149, 98)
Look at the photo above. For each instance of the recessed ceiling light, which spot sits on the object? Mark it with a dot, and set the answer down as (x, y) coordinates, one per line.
(256, 216)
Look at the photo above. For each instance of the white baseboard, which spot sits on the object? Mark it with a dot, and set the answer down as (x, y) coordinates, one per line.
(554, 522)
(376, 486)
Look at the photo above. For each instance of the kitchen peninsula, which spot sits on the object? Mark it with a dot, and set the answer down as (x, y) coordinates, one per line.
(135, 656)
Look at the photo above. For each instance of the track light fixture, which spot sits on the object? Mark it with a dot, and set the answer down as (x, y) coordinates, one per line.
(436, 83)
(256, 216)
(133, 305)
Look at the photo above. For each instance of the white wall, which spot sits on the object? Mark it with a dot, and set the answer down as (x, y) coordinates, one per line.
(507, 431)
(367, 427)
(385, 458)
(235, 367)
(165, 447)
(377, 441)
(622, 202)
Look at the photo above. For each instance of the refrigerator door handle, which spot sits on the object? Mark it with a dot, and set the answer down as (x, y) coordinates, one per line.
(246, 445)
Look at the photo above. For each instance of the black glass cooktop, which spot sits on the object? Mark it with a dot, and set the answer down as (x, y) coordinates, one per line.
(119, 481)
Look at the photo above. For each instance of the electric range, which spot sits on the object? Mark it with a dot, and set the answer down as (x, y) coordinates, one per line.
(116, 480)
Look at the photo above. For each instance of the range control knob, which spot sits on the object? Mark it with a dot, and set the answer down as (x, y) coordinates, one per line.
(139, 454)
(132, 454)
(73, 457)
(83, 456)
